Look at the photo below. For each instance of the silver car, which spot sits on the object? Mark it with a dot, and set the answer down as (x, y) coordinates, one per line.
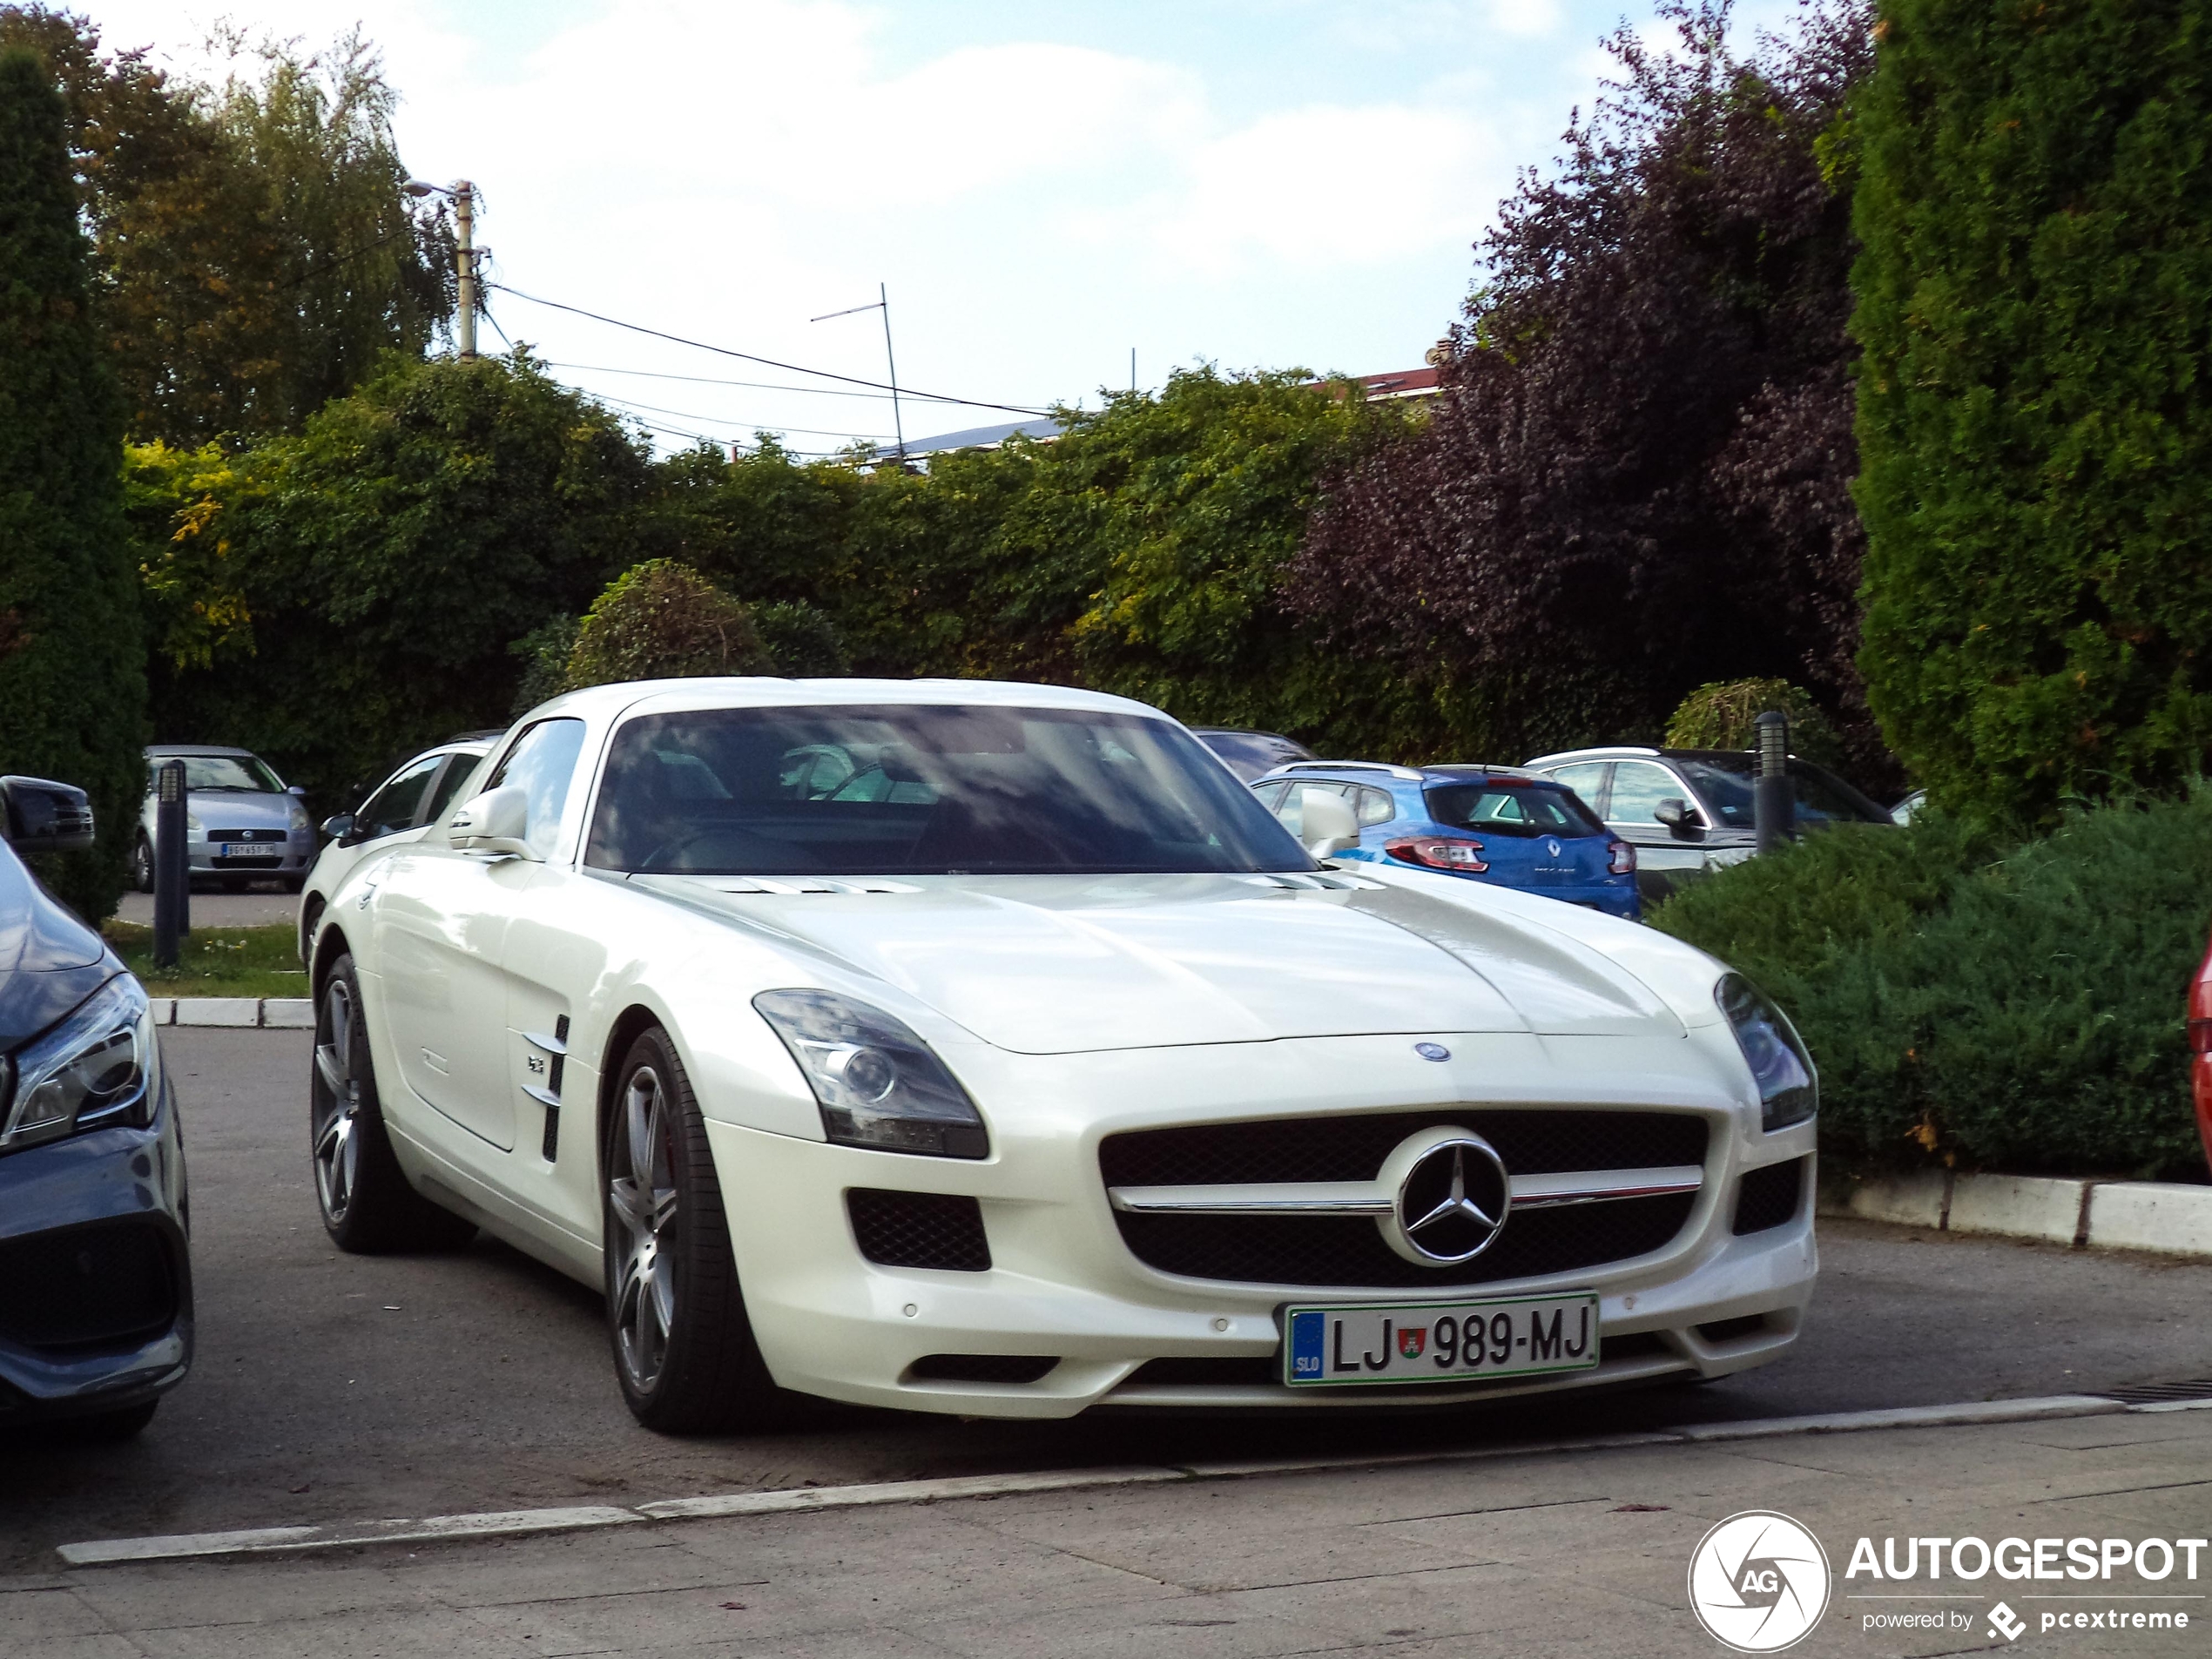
(399, 809)
(242, 824)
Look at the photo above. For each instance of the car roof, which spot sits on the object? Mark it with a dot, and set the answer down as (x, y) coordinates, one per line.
(1239, 732)
(1644, 752)
(669, 695)
(1450, 771)
(198, 749)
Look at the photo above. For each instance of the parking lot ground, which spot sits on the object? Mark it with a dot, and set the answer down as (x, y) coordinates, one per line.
(332, 1388)
(263, 906)
(1575, 1552)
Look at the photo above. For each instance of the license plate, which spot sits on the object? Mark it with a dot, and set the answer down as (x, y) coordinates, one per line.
(1510, 1336)
(251, 849)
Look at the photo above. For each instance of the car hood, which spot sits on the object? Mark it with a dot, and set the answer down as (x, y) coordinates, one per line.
(1062, 965)
(50, 961)
(239, 809)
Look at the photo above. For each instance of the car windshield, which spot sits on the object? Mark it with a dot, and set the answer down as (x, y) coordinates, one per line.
(1250, 754)
(923, 791)
(242, 774)
(1511, 809)
(1727, 784)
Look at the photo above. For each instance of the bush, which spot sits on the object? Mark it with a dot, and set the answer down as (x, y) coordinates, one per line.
(663, 620)
(802, 641)
(2015, 1006)
(1723, 716)
(2035, 402)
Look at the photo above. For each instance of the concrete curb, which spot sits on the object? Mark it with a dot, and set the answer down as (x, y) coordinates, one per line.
(274, 1013)
(268, 1541)
(2168, 1218)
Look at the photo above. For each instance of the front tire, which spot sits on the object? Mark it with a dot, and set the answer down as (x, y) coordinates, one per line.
(142, 866)
(367, 1205)
(683, 1349)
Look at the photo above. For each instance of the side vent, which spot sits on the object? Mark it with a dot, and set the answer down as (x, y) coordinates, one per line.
(548, 1094)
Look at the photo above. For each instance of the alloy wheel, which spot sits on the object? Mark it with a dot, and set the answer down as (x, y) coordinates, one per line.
(641, 1193)
(338, 1114)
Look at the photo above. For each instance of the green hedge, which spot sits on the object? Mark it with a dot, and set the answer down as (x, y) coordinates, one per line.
(2012, 1007)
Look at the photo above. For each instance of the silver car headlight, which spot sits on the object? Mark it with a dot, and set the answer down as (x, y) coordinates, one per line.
(1789, 1087)
(878, 1084)
(92, 1070)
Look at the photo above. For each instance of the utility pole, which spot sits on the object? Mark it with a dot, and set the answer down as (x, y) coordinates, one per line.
(464, 219)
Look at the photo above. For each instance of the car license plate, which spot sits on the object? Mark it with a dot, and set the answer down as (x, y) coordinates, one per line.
(1510, 1336)
(253, 849)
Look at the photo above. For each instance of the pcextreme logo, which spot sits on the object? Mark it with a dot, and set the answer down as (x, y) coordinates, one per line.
(1759, 1581)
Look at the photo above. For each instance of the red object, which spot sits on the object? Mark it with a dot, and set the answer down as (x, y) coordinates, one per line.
(2201, 1059)
(1621, 858)
(1440, 853)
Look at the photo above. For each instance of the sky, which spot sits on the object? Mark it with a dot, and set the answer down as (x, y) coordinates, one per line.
(1041, 190)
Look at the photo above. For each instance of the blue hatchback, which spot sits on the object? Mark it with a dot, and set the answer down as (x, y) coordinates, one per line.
(1496, 824)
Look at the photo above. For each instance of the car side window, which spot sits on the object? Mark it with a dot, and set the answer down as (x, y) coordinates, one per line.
(1586, 778)
(393, 807)
(1375, 807)
(1291, 809)
(1638, 787)
(540, 763)
(447, 790)
(1271, 795)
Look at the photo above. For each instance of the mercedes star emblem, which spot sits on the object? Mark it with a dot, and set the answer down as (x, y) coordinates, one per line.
(1451, 1199)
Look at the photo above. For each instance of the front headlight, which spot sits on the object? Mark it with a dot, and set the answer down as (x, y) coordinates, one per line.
(1789, 1087)
(93, 1069)
(300, 818)
(878, 1083)
(193, 826)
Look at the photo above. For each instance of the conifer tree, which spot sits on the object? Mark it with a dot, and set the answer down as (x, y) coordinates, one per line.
(72, 667)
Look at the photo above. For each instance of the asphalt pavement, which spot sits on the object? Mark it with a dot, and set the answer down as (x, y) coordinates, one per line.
(333, 1387)
(260, 907)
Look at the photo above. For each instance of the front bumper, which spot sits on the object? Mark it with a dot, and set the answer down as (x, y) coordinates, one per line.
(1064, 1284)
(100, 1204)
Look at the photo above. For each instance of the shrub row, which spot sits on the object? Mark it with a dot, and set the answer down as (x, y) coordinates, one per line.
(1981, 1003)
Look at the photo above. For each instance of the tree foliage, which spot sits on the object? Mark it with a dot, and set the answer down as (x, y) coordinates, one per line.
(1637, 479)
(663, 620)
(73, 677)
(370, 574)
(1725, 716)
(254, 256)
(2036, 410)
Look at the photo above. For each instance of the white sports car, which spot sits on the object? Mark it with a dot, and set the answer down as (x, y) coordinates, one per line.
(989, 1049)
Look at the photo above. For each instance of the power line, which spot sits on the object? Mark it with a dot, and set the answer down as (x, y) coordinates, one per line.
(693, 414)
(703, 380)
(789, 368)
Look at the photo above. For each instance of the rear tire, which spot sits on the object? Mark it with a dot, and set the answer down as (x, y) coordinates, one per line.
(367, 1205)
(683, 1350)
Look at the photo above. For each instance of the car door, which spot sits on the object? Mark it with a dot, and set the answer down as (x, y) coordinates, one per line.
(441, 925)
(1662, 856)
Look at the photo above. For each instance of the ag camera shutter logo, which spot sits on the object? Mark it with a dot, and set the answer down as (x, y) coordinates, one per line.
(1759, 1581)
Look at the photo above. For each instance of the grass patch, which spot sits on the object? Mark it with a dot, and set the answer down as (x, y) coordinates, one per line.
(215, 961)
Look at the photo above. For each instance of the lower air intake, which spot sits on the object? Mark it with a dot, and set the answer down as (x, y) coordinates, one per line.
(102, 1286)
(1770, 1198)
(919, 1229)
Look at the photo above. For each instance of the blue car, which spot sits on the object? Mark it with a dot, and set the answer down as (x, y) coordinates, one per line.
(1497, 824)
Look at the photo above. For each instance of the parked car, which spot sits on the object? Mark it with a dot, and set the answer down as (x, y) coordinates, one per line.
(241, 822)
(1689, 811)
(1906, 810)
(2200, 1017)
(96, 1308)
(1494, 824)
(397, 810)
(1062, 1076)
(1250, 754)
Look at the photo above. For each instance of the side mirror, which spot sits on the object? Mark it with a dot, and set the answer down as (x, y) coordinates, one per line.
(39, 815)
(338, 828)
(495, 822)
(1676, 815)
(1327, 825)
(300, 790)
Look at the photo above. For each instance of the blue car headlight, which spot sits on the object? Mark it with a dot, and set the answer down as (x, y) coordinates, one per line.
(93, 1070)
(1789, 1087)
(878, 1084)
